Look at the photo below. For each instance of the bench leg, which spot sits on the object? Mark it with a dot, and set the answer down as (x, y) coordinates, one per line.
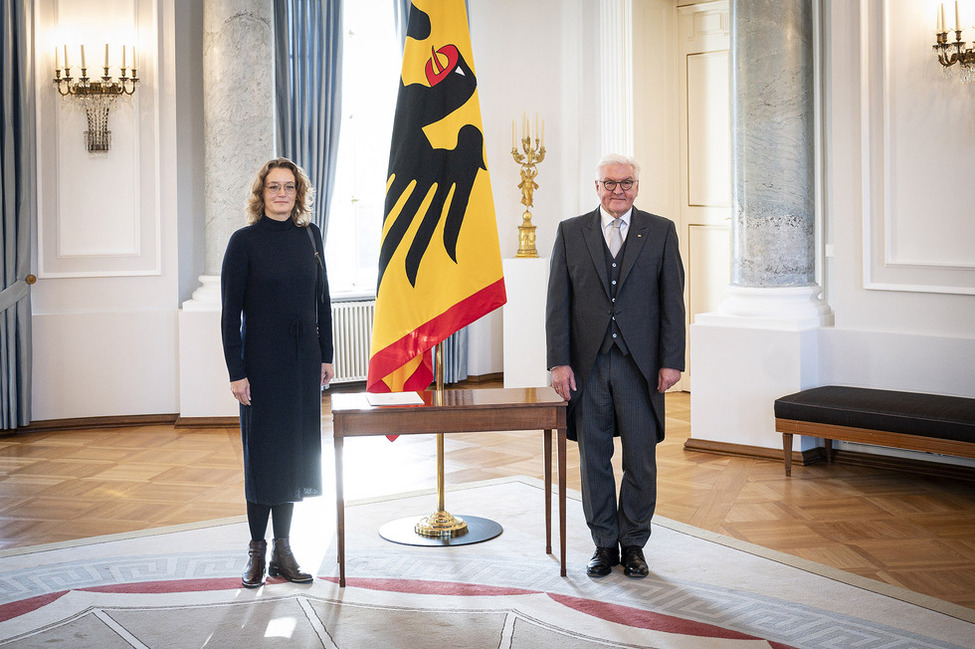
(787, 450)
(828, 443)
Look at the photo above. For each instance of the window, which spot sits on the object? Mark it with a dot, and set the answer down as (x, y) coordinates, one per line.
(371, 62)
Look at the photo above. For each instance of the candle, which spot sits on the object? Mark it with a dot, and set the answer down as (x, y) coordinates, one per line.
(123, 57)
(536, 126)
(941, 19)
(106, 56)
(133, 58)
(83, 57)
(957, 18)
(67, 66)
(57, 60)
(543, 132)
(512, 125)
(524, 125)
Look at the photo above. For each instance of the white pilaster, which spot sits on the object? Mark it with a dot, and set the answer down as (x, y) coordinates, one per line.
(616, 76)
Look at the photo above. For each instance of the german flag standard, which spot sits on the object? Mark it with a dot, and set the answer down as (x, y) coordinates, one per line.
(440, 260)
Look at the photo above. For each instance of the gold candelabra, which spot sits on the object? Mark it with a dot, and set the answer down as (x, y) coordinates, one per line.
(96, 96)
(531, 154)
(950, 53)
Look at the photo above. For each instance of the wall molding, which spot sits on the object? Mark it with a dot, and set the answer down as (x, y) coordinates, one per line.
(99, 214)
(884, 268)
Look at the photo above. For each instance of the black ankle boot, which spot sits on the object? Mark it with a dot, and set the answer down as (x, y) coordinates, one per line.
(254, 573)
(283, 563)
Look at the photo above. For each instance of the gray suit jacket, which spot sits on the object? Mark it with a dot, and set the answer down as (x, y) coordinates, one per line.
(649, 305)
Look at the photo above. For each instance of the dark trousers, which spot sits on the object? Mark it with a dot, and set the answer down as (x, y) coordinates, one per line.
(615, 399)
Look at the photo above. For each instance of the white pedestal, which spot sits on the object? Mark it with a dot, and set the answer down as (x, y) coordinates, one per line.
(761, 344)
(739, 372)
(204, 387)
(526, 283)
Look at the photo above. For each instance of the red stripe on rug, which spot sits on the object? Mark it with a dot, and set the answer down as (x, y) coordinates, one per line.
(170, 586)
(654, 621)
(21, 607)
(432, 587)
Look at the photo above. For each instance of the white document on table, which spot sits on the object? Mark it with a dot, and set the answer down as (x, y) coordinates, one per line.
(394, 399)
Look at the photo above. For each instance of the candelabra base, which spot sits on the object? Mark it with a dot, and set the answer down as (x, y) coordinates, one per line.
(526, 237)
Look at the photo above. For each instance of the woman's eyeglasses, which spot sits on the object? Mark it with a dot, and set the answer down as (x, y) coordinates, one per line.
(274, 188)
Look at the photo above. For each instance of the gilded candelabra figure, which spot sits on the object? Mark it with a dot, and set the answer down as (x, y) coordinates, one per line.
(532, 153)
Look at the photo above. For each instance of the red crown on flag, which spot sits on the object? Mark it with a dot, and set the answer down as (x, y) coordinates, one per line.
(435, 69)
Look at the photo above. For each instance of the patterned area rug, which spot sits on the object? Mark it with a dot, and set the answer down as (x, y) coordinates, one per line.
(181, 588)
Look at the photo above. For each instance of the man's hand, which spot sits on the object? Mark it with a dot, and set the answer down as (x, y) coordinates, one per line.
(564, 381)
(327, 374)
(667, 377)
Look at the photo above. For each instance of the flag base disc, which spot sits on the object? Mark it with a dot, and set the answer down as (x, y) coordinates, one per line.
(403, 531)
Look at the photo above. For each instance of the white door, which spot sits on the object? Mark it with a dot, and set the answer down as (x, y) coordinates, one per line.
(704, 41)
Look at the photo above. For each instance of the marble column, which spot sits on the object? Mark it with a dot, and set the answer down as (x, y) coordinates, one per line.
(772, 143)
(773, 161)
(238, 78)
(238, 113)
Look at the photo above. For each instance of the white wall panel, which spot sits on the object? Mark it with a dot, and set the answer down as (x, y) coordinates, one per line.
(917, 161)
(709, 262)
(708, 130)
(98, 212)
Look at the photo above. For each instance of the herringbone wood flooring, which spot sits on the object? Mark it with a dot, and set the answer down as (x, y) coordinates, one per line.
(911, 531)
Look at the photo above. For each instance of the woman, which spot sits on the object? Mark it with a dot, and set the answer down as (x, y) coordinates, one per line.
(277, 340)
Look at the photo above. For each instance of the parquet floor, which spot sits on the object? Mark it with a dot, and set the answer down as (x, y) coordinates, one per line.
(911, 531)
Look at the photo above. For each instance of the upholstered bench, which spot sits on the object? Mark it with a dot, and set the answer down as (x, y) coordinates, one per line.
(910, 420)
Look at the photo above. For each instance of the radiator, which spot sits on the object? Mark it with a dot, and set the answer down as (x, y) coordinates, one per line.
(352, 337)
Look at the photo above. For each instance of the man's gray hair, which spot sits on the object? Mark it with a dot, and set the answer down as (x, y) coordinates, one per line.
(614, 159)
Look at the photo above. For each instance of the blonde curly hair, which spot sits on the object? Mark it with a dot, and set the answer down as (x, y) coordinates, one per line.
(304, 193)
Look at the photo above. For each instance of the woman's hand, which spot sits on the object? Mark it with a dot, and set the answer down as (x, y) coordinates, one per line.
(327, 374)
(241, 390)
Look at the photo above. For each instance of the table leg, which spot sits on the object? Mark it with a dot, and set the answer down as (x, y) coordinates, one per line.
(547, 455)
(562, 470)
(339, 506)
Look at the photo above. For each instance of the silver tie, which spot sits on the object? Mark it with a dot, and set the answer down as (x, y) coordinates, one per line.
(615, 238)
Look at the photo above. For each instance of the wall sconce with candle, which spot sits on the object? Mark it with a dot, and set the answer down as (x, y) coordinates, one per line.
(951, 53)
(97, 96)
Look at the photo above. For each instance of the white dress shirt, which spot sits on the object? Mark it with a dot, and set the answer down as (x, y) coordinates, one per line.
(607, 220)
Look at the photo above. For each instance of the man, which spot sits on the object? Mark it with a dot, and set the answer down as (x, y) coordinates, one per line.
(615, 337)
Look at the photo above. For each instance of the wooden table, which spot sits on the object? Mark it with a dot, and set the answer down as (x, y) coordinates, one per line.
(462, 411)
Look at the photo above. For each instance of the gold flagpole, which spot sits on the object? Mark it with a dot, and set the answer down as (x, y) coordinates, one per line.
(441, 523)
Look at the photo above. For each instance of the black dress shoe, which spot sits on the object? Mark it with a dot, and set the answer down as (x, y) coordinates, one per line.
(602, 562)
(634, 565)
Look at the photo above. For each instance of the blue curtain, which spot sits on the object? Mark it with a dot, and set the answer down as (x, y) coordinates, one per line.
(16, 210)
(455, 357)
(401, 18)
(308, 77)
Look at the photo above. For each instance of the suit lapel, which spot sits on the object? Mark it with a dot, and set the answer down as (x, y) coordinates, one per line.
(592, 232)
(636, 238)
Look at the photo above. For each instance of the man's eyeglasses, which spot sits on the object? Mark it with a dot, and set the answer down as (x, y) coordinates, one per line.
(274, 188)
(625, 185)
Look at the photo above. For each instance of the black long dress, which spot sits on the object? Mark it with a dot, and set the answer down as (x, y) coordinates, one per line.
(277, 331)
